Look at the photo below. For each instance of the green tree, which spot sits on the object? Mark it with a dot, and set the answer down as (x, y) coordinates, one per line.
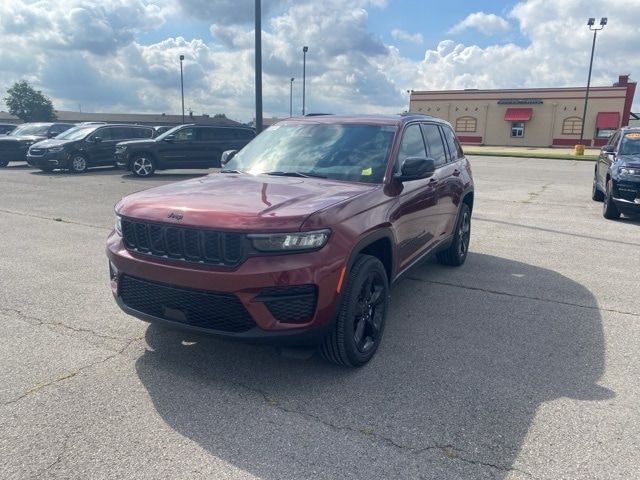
(29, 104)
(219, 115)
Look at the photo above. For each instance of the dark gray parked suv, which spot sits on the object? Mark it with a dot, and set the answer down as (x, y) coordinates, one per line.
(185, 146)
(84, 146)
(14, 146)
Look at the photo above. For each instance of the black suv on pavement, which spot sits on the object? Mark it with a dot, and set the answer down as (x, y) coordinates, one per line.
(185, 146)
(14, 146)
(84, 146)
(616, 180)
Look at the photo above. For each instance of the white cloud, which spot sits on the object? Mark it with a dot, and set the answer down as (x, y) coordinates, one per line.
(487, 23)
(405, 36)
(349, 68)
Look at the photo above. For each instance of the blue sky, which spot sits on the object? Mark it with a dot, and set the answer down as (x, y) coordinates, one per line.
(122, 55)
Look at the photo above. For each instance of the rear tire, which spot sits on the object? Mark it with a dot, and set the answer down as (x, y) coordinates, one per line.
(596, 194)
(609, 209)
(360, 321)
(143, 166)
(456, 254)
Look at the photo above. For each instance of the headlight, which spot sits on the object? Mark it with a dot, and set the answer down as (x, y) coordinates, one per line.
(55, 149)
(287, 242)
(118, 225)
(629, 171)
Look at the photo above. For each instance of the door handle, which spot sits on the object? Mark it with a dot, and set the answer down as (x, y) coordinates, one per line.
(456, 172)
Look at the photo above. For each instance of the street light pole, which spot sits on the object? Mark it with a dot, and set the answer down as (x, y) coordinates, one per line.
(291, 97)
(182, 86)
(304, 75)
(590, 23)
(258, 41)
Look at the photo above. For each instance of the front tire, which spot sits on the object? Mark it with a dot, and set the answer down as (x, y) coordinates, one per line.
(78, 163)
(359, 325)
(609, 209)
(596, 194)
(456, 254)
(143, 166)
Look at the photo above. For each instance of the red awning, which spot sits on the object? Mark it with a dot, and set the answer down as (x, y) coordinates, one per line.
(608, 120)
(518, 114)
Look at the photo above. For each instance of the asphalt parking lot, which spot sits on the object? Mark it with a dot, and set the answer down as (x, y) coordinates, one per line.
(521, 364)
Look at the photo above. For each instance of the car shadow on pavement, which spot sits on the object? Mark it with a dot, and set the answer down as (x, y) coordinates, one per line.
(469, 354)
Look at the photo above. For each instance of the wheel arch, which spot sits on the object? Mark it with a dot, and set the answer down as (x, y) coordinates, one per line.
(378, 244)
(135, 153)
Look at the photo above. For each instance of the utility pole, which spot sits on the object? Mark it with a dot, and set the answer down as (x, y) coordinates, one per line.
(258, 32)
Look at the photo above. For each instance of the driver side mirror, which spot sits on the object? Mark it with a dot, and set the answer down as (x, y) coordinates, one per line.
(227, 155)
(51, 134)
(170, 138)
(415, 168)
(97, 139)
(608, 149)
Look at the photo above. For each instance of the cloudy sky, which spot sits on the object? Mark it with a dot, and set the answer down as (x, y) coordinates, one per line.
(122, 55)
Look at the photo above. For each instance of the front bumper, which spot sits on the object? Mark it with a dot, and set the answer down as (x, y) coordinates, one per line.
(626, 195)
(48, 160)
(122, 159)
(247, 283)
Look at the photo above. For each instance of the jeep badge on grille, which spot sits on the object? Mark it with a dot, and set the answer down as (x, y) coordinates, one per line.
(175, 216)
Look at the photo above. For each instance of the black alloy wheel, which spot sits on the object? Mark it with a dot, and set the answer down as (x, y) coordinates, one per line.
(596, 194)
(456, 254)
(360, 322)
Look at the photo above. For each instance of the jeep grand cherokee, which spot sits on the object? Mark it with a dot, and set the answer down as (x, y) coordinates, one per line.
(298, 238)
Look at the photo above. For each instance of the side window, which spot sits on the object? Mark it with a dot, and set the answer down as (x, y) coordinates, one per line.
(411, 144)
(144, 132)
(455, 151)
(103, 133)
(122, 133)
(56, 129)
(185, 135)
(207, 134)
(434, 143)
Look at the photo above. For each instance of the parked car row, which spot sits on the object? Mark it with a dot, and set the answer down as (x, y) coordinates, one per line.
(139, 149)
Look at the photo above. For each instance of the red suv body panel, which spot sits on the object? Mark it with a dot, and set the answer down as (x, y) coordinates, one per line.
(409, 219)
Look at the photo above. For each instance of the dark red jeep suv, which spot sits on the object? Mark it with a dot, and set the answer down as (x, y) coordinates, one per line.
(297, 239)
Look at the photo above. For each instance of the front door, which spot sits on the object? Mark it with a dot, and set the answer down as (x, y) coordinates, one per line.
(413, 219)
(101, 146)
(179, 150)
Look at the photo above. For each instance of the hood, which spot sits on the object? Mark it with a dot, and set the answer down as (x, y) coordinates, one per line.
(21, 138)
(630, 160)
(239, 202)
(52, 142)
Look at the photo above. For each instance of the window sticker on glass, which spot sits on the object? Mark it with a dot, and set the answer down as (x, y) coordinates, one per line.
(633, 135)
(367, 171)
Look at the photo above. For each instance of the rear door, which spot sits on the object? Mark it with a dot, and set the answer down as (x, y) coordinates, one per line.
(451, 181)
(414, 221)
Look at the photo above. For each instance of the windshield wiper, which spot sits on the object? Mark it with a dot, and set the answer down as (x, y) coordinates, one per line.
(231, 171)
(296, 174)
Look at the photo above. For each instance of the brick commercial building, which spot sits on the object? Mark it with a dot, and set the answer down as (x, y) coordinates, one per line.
(530, 117)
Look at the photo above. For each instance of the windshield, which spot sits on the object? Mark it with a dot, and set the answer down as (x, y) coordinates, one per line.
(351, 152)
(77, 133)
(32, 129)
(168, 132)
(630, 144)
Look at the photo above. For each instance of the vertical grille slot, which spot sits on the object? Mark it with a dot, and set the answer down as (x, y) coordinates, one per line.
(183, 243)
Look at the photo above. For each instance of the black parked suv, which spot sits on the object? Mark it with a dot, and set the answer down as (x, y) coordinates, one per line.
(6, 128)
(84, 146)
(14, 146)
(616, 180)
(185, 146)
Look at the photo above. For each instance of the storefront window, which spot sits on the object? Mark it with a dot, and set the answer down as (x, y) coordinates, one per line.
(466, 124)
(517, 129)
(571, 126)
(604, 132)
